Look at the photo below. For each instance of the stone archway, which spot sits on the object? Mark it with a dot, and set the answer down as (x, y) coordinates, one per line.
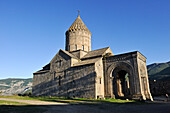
(120, 83)
(121, 80)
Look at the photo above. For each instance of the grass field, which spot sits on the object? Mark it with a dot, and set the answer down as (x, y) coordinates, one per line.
(2, 102)
(70, 100)
(17, 107)
(79, 105)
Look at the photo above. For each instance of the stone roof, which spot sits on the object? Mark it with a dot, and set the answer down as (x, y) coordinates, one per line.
(41, 71)
(95, 53)
(69, 54)
(78, 24)
(86, 62)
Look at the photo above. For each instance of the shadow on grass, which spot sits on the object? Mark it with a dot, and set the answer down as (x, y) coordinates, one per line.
(89, 101)
(22, 109)
(70, 108)
(76, 101)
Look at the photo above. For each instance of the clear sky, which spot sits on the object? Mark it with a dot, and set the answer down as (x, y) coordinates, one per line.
(32, 31)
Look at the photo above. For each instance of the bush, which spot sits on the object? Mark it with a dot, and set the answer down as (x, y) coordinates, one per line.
(25, 94)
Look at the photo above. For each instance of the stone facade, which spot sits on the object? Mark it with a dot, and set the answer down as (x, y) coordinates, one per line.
(79, 72)
(123, 77)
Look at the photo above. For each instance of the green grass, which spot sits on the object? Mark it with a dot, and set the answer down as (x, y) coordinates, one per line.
(71, 100)
(3, 102)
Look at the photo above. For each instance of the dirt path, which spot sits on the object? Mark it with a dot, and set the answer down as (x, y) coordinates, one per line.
(33, 102)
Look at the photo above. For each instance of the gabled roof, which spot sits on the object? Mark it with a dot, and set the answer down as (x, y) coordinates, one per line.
(41, 71)
(95, 53)
(69, 54)
(86, 62)
(65, 52)
(78, 24)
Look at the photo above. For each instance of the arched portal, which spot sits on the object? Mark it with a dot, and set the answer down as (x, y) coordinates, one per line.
(120, 83)
(121, 80)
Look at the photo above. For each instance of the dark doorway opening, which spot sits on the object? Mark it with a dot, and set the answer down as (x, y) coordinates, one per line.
(121, 86)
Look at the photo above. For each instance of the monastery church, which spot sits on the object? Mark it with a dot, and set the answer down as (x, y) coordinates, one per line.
(81, 73)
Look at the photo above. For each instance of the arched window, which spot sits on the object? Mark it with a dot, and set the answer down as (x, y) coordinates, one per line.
(75, 47)
(83, 47)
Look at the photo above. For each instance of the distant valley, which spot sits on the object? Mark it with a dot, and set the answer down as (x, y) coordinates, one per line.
(13, 86)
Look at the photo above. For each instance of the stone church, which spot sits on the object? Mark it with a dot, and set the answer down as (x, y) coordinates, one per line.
(81, 73)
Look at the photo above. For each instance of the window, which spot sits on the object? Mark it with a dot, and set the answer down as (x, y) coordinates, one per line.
(59, 83)
(75, 47)
(60, 63)
(100, 80)
(82, 47)
(54, 75)
(68, 47)
(64, 74)
(88, 48)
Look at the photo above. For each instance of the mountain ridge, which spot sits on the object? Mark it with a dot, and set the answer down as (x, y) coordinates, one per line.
(12, 86)
(159, 71)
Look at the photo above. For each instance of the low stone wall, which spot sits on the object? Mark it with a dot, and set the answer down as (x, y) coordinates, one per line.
(159, 87)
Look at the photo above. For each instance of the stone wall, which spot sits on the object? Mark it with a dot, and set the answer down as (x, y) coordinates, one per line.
(73, 82)
(40, 81)
(143, 76)
(79, 38)
(99, 84)
(159, 87)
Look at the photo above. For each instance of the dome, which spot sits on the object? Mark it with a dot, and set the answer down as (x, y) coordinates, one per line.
(78, 24)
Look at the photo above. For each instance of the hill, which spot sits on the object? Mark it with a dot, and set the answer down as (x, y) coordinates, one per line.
(159, 71)
(13, 86)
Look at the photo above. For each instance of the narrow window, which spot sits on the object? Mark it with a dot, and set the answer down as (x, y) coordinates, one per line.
(59, 83)
(60, 63)
(83, 47)
(100, 80)
(68, 47)
(75, 47)
(64, 74)
(54, 75)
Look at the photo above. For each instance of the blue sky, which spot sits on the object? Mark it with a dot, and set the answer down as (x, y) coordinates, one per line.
(32, 31)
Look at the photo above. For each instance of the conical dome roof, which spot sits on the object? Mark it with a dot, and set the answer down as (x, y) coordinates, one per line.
(78, 24)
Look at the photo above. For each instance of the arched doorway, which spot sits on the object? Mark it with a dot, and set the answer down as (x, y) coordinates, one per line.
(120, 83)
